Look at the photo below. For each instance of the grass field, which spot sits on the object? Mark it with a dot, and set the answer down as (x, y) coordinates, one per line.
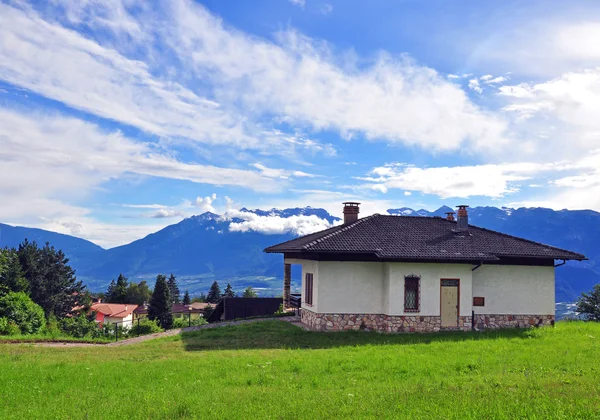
(275, 370)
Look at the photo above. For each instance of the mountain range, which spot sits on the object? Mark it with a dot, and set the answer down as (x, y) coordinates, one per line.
(202, 248)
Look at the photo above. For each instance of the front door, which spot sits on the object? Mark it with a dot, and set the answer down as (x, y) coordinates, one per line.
(449, 302)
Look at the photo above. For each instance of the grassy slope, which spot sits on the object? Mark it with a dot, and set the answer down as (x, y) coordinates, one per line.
(275, 370)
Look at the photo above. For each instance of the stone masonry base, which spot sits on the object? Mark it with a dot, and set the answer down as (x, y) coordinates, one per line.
(493, 322)
(416, 323)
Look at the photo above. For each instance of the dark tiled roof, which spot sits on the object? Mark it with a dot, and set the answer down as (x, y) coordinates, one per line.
(420, 238)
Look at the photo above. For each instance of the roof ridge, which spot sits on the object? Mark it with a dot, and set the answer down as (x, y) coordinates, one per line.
(343, 229)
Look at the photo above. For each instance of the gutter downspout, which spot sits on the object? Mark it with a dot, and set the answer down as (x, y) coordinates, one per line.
(477, 266)
(559, 264)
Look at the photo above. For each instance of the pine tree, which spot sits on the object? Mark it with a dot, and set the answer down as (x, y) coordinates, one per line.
(214, 294)
(249, 292)
(173, 289)
(11, 274)
(52, 282)
(120, 292)
(186, 298)
(110, 291)
(160, 303)
(229, 293)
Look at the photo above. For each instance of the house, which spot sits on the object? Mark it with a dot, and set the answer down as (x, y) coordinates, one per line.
(111, 313)
(407, 273)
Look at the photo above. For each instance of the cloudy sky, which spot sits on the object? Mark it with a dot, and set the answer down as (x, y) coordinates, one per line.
(120, 117)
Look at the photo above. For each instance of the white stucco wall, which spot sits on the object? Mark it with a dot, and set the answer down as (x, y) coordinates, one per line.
(123, 322)
(351, 287)
(514, 290)
(378, 288)
(431, 274)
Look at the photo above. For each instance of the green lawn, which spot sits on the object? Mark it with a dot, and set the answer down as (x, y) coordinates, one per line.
(275, 370)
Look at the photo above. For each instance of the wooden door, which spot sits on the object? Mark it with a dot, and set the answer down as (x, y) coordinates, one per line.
(449, 303)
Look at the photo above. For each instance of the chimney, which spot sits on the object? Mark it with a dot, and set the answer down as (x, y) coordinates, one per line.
(350, 212)
(450, 216)
(463, 218)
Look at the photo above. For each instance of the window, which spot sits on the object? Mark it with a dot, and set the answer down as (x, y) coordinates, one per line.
(308, 288)
(478, 301)
(411, 293)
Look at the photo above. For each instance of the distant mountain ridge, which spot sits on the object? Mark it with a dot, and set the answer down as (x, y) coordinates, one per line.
(201, 248)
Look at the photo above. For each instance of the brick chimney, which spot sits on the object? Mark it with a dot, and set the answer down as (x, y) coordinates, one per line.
(450, 216)
(463, 218)
(350, 212)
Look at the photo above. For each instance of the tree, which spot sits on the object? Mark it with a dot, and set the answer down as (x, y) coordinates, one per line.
(159, 309)
(174, 289)
(11, 274)
(589, 304)
(186, 298)
(23, 312)
(138, 293)
(117, 292)
(110, 291)
(229, 291)
(52, 282)
(214, 294)
(249, 292)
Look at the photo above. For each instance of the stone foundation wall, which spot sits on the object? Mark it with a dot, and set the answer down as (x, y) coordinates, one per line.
(378, 322)
(416, 323)
(495, 321)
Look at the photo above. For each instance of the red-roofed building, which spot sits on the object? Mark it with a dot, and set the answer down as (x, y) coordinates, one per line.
(110, 313)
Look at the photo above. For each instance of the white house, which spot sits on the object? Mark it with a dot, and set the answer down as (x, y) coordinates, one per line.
(406, 273)
(111, 313)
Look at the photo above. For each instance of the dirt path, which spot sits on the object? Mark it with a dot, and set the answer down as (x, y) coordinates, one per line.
(291, 319)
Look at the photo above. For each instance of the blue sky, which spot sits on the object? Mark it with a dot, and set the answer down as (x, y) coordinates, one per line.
(118, 117)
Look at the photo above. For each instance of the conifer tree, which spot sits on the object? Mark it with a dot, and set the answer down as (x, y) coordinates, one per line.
(249, 292)
(214, 294)
(186, 298)
(160, 304)
(173, 289)
(52, 282)
(229, 293)
(120, 292)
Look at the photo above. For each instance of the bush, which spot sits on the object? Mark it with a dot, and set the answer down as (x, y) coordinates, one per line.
(21, 310)
(185, 322)
(81, 326)
(143, 328)
(589, 304)
(108, 330)
(8, 327)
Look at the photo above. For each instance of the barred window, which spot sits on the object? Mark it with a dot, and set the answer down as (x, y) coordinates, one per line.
(411, 293)
(308, 288)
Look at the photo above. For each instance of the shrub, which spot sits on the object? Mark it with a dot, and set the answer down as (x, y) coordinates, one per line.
(185, 322)
(144, 327)
(589, 304)
(20, 309)
(53, 326)
(80, 326)
(8, 327)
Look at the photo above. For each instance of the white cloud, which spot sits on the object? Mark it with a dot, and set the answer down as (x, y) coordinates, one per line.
(205, 204)
(326, 9)
(299, 3)
(165, 213)
(486, 77)
(474, 85)
(496, 80)
(271, 225)
(46, 169)
(564, 110)
(144, 206)
(280, 173)
(300, 81)
(490, 180)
